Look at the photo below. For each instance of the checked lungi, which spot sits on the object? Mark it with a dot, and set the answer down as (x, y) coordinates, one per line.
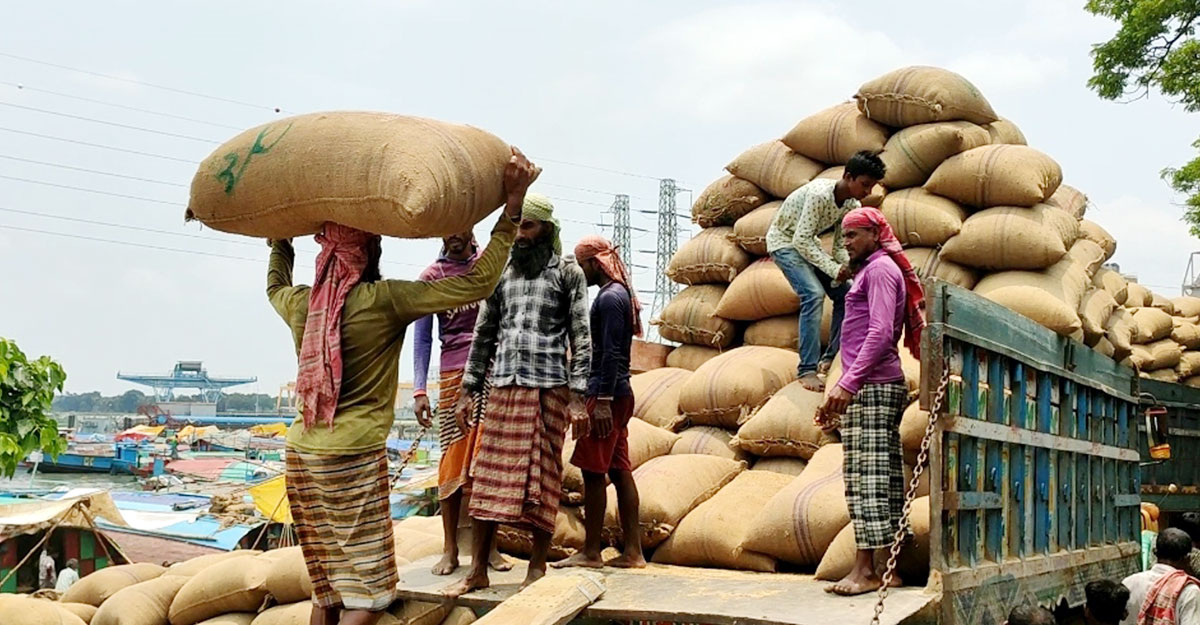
(874, 462)
(343, 520)
(517, 471)
(458, 447)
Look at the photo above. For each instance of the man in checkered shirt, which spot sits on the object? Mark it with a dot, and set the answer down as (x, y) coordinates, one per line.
(532, 347)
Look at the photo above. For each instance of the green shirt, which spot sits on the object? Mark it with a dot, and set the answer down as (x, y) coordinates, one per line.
(373, 324)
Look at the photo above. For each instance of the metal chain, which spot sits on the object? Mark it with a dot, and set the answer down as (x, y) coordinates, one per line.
(889, 574)
(412, 453)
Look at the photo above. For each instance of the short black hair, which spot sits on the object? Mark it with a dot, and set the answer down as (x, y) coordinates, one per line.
(1190, 523)
(1030, 615)
(866, 163)
(1107, 600)
(1173, 545)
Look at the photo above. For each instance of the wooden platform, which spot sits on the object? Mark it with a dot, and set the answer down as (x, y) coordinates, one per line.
(690, 595)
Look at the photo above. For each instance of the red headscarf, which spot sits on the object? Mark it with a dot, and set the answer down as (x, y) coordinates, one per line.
(598, 247)
(340, 266)
(914, 309)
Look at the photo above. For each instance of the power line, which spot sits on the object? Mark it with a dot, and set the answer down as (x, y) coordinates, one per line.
(98, 145)
(86, 190)
(137, 109)
(107, 123)
(128, 243)
(586, 190)
(92, 171)
(594, 167)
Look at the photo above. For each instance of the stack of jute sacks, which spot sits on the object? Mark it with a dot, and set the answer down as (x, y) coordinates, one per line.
(242, 587)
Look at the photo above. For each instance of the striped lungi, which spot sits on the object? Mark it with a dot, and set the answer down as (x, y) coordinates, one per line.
(873, 462)
(458, 448)
(517, 471)
(343, 520)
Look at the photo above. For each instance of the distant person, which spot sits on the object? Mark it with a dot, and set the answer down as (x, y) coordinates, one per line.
(68, 576)
(1107, 602)
(884, 303)
(602, 446)
(1166, 594)
(348, 329)
(792, 241)
(47, 569)
(1030, 615)
(1190, 523)
(455, 329)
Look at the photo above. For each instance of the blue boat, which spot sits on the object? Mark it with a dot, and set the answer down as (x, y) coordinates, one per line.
(111, 458)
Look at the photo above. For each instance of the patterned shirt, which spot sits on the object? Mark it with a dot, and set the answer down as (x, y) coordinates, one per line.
(806, 213)
(525, 328)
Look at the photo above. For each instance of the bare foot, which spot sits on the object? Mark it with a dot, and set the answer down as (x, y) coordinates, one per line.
(580, 559)
(854, 584)
(498, 562)
(627, 561)
(447, 565)
(466, 585)
(811, 382)
(532, 576)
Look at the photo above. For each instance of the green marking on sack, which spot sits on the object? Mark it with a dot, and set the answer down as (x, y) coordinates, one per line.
(235, 166)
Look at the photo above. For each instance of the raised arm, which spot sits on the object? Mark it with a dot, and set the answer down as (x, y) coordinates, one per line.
(284, 297)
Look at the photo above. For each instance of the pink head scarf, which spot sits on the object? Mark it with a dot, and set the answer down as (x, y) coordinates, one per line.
(340, 266)
(598, 247)
(914, 309)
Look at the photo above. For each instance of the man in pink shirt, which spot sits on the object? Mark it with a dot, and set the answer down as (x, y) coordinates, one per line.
(884, 302)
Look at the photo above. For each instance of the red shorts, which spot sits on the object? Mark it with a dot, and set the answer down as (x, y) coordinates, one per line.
(601, 455)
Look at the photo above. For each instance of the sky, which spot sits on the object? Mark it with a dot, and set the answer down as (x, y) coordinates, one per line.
(607, 97)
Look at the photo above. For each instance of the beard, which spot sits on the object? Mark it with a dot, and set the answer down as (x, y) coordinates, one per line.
(529, 261)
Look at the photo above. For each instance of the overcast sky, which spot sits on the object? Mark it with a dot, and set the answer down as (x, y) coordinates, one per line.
(651, 89)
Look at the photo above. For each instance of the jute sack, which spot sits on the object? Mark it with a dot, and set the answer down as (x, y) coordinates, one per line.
(420, 612)
(1189, 365)
(1104, 347)
(669, 488)
(912, 154)
(727, 388)
(190, 567)
(784, 425)
(84, 611)
(920, 95)
(782, 332)
(1095, 309)
(656, 396)
(93, 589)
(23, 610)
(1193, 381)
(708, 257)
(712, 534)
(875, 198)
(1004, 131)
(1186, 333)
(1069, 199)
(1049, 297)
(1162, 375)
(759, 292)
(647, 442)
(835, 134)
(237, 618)
(725, 200)
(1092, 231)
(783, 466)
(237, 585)
(800, 521)
(567, 538)
(299, 613)
(1187, 306)
(459, 616)
(1120, 330)
(912, 430)
(919, 217)
(839, 558)
(691, 317)
(774, 168)
(389, 174)
(1112, 282)
(750, 232)
(1150, 325)
(1164, 354)
(708, 441)
(287, 576)
(1161, 302)
(690, 357)
(431, 525)
(1139, 295)
(145, 603)
(928, 263)
(997, 175)
(1088, 255)
(1006, 237)
(412, 545)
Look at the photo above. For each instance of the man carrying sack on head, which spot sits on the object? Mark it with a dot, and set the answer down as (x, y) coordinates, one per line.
(348, 328)
(885, 300)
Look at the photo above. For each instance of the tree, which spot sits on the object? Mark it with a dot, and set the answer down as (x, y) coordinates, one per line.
(26, 394)
(1154, 48)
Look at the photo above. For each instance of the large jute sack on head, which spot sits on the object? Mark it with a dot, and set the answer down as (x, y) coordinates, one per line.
(775, 168)
(389, 174)
(912, 154)
(691, 317)
(670, 487)
(1007, 237)
(725, 200)
(928, 263)
(997, 175)
(750, 232)
(919, 217)
(875, 198)
(1049, 297)
(729, 387)
(238, 585)
(758, 292)
(1150, 324)
(1114, 283)
(1069, 199)
(1164, 354)
(800, 521)
(287, 575)
(656, 396)
(712, 534)
(781, 465)
(1087, 254)
(145, 603)
(1186, 333)
(920, 95)
(1189, 365)
(708, 257)
(1187, 306)
(84, 611)
(1004, 131)
(912, 430)
(1162, 303)
(835, 134)
(784, 425)
(237, 618)
(690, 357)
(188, 568)
(94, 588)
(1092, 231)
(567, 539)
(1095, 309)
(706, 440)
(647, 442)
(1139, 296)
(23, 610)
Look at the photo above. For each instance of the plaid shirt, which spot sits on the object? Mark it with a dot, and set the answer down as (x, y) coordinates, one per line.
(523, 331)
